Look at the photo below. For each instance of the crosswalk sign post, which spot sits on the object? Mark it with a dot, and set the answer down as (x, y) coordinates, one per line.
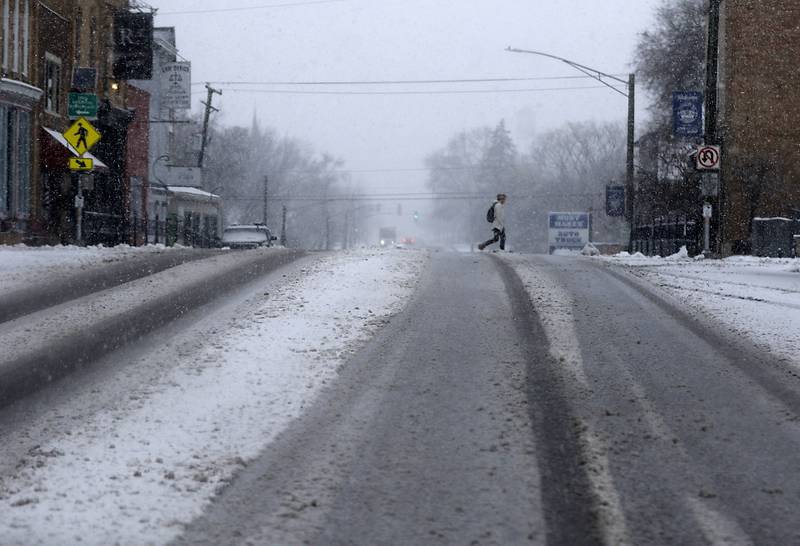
(82, 136)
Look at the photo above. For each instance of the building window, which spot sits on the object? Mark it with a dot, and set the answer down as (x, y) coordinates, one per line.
(15, 36)
(26, 37)
(5, 180)
(23, 162)
(78, 31)
(15, 160)
(52, 83)
(6, 31)
(92, 40)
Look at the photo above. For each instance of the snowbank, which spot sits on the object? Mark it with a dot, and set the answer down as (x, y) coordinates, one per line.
(21, 264)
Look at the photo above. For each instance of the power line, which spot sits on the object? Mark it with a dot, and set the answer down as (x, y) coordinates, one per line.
(250, 8)
(410, 197)
(440, 92)
(399, 82)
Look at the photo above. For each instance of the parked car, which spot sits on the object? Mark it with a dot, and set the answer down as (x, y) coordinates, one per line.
(247, 236)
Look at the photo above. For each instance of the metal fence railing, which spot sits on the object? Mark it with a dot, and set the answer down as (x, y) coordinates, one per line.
(174, 231)
(665, 236)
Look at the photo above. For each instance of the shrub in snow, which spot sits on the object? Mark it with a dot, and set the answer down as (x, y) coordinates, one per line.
(590, 250)
(682, 254)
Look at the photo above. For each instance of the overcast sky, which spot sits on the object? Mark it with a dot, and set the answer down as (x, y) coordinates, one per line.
(367, 40)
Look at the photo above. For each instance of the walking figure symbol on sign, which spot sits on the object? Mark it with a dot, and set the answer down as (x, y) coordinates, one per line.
(708, 158)
(81, 133)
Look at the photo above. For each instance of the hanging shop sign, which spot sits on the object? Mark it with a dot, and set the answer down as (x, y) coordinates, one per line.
(133, 46)
(176, 86)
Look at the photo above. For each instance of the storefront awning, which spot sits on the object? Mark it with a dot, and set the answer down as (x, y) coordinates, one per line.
(63, 141)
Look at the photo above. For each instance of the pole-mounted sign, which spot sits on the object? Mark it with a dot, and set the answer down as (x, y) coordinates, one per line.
(81, 164)
(708, 157)
(82, 136)
(687, 114)
(615, 200)
(82, 105)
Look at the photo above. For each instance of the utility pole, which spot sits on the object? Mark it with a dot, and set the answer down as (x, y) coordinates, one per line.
(209, 108)
(630, 190)
(283, 225)
(327, 229)
(711, 114)
(266, 197)
(79, 212)
(348, 223)
(712, 72)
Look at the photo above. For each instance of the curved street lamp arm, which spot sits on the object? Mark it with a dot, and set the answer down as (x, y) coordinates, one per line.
(591, 72)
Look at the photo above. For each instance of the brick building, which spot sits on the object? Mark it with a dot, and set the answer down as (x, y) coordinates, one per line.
(42, 43)
(759, 108)
(19, 96)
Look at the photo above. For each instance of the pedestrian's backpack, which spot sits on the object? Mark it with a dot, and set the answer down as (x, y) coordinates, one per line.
(490, 213)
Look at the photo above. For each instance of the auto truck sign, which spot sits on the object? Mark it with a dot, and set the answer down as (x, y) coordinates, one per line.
(568, 230)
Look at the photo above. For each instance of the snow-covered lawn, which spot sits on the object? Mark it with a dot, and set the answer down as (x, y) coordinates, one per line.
(129, 463)
(22, 265)
(754, 297)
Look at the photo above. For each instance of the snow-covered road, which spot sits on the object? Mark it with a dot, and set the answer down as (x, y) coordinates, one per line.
(687, 434)
(757, 298)
(341, 385)
(139, 452)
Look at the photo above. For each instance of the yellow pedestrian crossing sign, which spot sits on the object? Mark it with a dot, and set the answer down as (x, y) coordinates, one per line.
(81, 164)
(82, 136)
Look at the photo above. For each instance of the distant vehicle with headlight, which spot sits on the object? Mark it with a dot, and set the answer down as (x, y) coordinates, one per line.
(387, 236)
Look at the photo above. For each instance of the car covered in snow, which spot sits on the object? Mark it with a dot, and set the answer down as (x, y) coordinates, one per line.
(247, 236)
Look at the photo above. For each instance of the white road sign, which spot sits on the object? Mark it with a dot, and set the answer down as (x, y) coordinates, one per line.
(708, 158)
(568, 230)
(176, 86)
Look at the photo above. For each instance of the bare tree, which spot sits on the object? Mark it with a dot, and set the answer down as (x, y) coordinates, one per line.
(309, 184)
(671, 56)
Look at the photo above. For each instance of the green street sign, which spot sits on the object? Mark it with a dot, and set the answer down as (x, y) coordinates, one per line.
(82, 105)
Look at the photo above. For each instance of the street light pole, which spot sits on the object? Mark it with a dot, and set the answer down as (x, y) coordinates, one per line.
(266, 197)
(630, 188)
(602, 77)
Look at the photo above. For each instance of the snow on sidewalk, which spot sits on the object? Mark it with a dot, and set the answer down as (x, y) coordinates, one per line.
(136, 471)
(754, 297)
(22, 265)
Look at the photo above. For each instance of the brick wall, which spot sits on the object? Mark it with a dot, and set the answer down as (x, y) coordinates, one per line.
(760, 113)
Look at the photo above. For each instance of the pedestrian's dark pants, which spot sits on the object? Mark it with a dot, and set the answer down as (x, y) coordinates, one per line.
(498, 236)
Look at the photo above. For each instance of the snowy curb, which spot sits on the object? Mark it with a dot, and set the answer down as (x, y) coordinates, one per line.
(757, 299)
(51, 343)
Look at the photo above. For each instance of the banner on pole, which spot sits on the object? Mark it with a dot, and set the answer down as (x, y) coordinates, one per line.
(687, 114)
